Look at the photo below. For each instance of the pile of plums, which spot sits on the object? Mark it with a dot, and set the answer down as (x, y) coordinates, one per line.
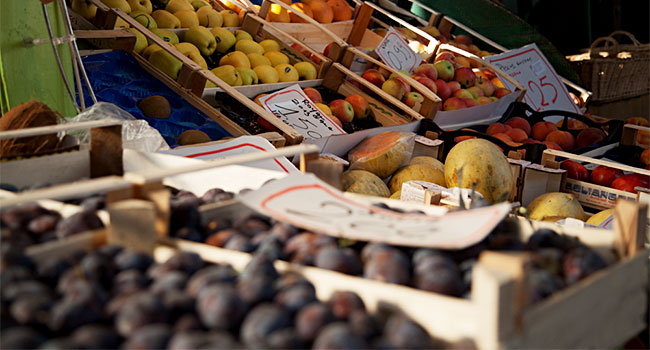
(112, 298)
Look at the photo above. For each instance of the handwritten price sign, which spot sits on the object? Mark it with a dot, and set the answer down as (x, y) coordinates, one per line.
(294, 108)
(307, 202)
(396, 53)
(545, 90)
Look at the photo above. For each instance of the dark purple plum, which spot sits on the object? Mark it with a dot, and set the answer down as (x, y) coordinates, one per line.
(296, 297)
(96, 336)
(149, 337)
(339, 335)
(310, 319)
(261, 321)
(210, 275)
(580, 263)
(343, 260)
(129, 259)
(390, 266)
(219, 307)
(140, 309)
(343, 303)
(174, 280)
(83, 221)
(402, 333)
(20, 338)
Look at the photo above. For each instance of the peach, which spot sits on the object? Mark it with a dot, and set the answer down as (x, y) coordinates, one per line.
(574, 124)
(444, 91)
(428, 70)
(359, 106)
(590, 136)
(463, 39)
(454, 103)
(519, 122)
(463, 93)
(629, 181)
(427, 82)
(336, 121)
(476, 91)
(503, 137)
(541, 129)
(373, 76)
(343, 110)
(413, 99)
(465, 76)
(313, 95)
(645, 156)
(563, 138)
(500, 92)
(604, 175)
(407, 86)
(394, 87)
(517, 135)
(266, 125)
(322, 11)
(458, 139)
(497, 128)
(474, 49)
(454, 86)
(552, 145)
(470, 102)
(482, 100)
(341, 9)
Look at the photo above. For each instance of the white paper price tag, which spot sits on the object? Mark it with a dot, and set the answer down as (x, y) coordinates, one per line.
(294, 108)
(544, 89)
(240, 145)
(307, 202)
(396, 53)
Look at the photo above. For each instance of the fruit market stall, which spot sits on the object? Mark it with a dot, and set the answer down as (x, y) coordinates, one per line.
(343, 202)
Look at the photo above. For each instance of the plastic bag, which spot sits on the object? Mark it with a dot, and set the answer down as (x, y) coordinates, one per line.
(136, 134)
(384, 153)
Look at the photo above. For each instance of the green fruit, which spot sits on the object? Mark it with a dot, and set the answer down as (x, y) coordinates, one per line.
(165, 34)
(225, 39)
(248, 76)
(146, 20)
(202, 39)
(140, 41)
(242, 35)
(167, 63)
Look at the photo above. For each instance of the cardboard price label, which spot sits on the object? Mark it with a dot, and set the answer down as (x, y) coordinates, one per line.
(307, 202)
(295, 109)
(544, 89)
(396, 53)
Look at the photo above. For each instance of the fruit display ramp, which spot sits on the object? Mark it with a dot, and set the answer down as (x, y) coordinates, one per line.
(188, 79)
(493, 316)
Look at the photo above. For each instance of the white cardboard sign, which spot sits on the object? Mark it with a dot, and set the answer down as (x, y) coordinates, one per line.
(294, 108)
(240, 145)
(544, 89)
(307, 202)
(396, 53)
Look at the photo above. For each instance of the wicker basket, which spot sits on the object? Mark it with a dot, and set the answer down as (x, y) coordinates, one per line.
(614, 71)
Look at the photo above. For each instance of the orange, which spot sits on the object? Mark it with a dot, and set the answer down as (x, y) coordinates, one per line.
(278, 14)
(322, 12)
(300, 7)
(341, 9)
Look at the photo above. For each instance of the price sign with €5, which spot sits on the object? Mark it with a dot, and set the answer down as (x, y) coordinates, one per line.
(294, 108)
(544, 89)
(396, 53)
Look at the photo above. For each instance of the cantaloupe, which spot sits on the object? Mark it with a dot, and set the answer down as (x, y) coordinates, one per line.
(481, 163)
(428, 160)
(364, 182)
(555, 206)
(382, 154)
(397, 195)
(416, 172)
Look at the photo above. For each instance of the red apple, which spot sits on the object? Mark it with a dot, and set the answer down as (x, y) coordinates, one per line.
(604, 175)
(454, 86)
(428, 70)
(427, 82)
(359, 106)
(590, 136)
(445, 56)
(463, 93)
(445, 70)
(413, 99)
(465, 76)
(500, 92)
(313, 95)
(373, 76)
(343, 110)
(443, 89)
(470, 102)
(454, 103)
(575, 170)
(541, 129)
(629, 182)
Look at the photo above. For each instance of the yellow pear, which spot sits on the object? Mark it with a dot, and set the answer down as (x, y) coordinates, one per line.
(165, 34)
(167, 63)
(197, 4)
(121, 24)
(248, 76)
(193, 53)
(118, 4)
(146, 20)
(270, 45)
(286, 73)
(276, 57)
(166, 19)
(266, 74)
(228, 74)
(230, 18)
(236, 59)
(249, 46)
(242, 35)
(209, 18)
(86, 9)
(201, 38)
(258, 60)
(188, 18)
(150, 49)
(178, 5)
(306, 70)
(140, 41)
(141, 6)
(225, 39)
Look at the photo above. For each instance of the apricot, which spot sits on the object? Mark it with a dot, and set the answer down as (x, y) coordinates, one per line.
(590, 136)
(552, 145)
(322, 11)
(637, 121)
(300, 7)
(517, 135)
(574, 124)
(563, 138)
(521, 123)
(497, 128)
(645, 156)
(542, 129)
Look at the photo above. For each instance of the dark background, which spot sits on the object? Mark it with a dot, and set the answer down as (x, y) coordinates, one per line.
(572, 25)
